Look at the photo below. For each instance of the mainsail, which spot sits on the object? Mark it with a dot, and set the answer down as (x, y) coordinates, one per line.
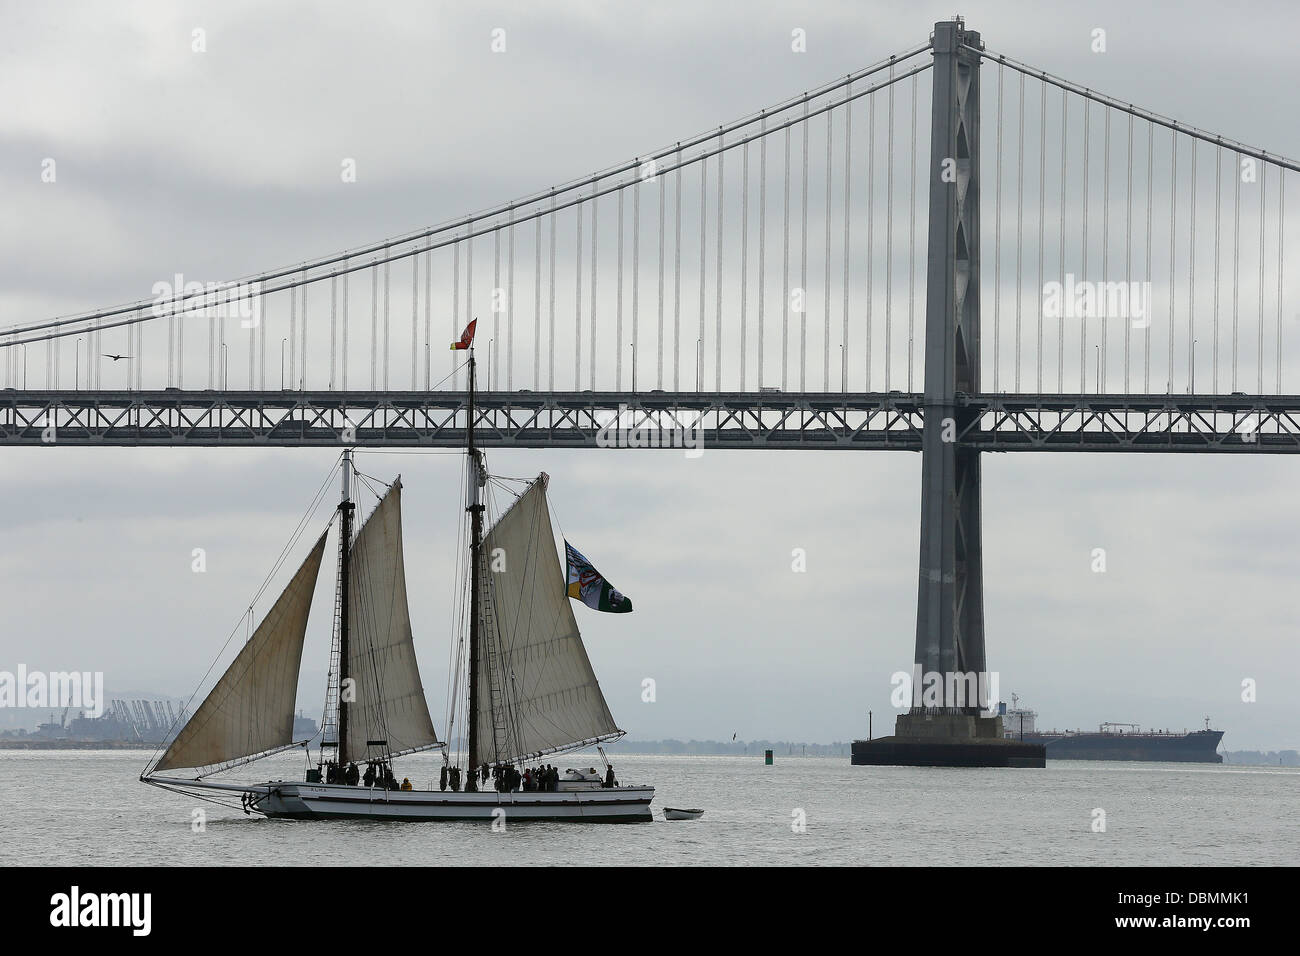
(388, 713)
(250, 709)
(539, 693)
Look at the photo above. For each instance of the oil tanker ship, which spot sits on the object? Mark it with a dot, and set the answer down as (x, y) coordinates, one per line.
(1112, 741)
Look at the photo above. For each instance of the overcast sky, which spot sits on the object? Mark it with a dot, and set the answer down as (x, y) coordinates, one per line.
(226, 162)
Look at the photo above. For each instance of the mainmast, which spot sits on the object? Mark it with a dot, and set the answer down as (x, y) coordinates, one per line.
(475, 508)
(346, 508)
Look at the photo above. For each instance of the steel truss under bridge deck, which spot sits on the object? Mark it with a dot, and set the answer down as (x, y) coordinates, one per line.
(855, 420)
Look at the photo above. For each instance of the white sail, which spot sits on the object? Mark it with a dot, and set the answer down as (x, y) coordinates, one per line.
(536, 690)
(389, 702)
(250, 709)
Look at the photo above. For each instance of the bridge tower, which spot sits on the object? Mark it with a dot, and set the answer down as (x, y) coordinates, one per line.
(948, 729)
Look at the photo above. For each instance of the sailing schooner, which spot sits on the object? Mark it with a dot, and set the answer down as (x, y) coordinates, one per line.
(531, 690)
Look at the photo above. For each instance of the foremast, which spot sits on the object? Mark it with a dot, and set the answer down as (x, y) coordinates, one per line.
(346, 511)
(474, 505)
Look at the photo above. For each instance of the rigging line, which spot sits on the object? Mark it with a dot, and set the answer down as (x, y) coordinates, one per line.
(997, 238)
(536, 198)
(1153, 118)
(306, 519)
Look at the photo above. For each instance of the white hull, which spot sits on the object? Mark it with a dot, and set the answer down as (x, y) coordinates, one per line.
(317, 801)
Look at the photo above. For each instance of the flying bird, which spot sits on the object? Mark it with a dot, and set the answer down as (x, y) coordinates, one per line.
(115, 358)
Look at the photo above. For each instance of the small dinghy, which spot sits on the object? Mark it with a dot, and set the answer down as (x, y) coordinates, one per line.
(672, 813)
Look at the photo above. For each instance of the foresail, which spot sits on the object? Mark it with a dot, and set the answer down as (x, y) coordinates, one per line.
(388, 703)
(537, 690)
(250, 709)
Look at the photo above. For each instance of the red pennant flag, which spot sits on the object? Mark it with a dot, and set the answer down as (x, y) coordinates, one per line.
(466, 337)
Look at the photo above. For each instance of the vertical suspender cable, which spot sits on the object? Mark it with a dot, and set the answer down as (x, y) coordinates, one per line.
(334, 304)
(826, 258)
(762, 237)
(1191, 275)
(1281, 241)
(343, 357)
(1236, 260)
(785, 288)
(677, 281)
(595, 219)
(659, 299)
(871, 225)
(428, 319)
(911, 247)
(388, 302)
(803, 263)
(1060, 325)
(744, 254)
(550, 372)
(1042, 209)
(717, 371)
(1259, 334)
(848, 218)
(997, 238)
(510, 304)
(1214, 317)
(577, 299)
(1105, 248)
(1128, 251)
(704, 220)
(889, 233)
(537, 302)
(1020, 220)
(1083, 270)
(636, 278)
(1146, 351)
(415, 323)
(1173, 236)
(618, 310)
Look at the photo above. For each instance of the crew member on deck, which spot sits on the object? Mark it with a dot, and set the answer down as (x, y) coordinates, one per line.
(442, 778)
(609, 775)
(406, 783)
(352, 776)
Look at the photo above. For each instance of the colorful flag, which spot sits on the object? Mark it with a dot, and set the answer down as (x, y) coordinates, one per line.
(466, 337)
(590, 587)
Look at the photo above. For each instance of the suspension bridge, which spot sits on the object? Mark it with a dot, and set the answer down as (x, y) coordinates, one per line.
(1025, 264)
